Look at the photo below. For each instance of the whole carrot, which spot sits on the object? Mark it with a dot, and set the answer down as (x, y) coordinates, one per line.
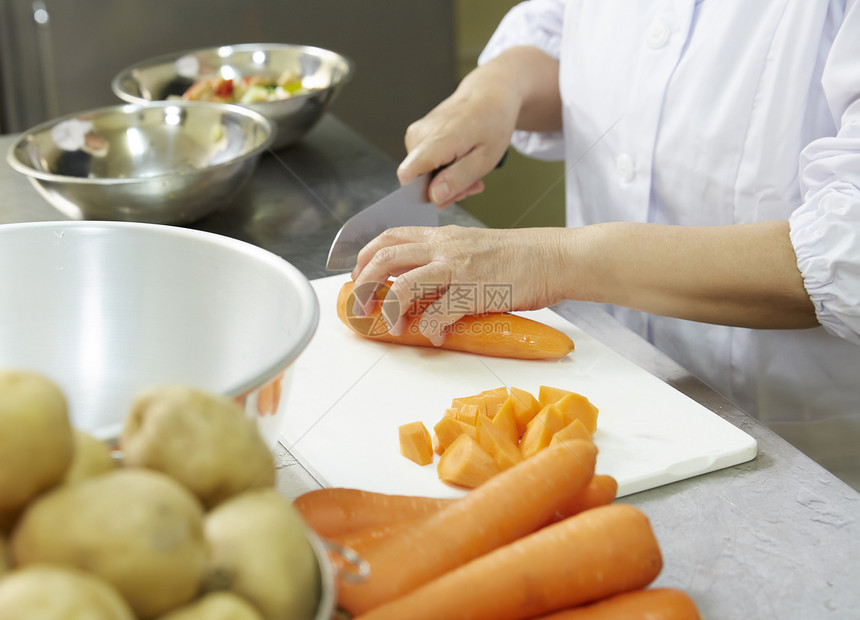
(590, 556)
(510, 505)
(652, 604)
(599, 491)
(497, 334)
(336, 511)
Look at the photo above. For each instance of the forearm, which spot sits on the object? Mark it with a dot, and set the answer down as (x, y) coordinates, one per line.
(741, 275)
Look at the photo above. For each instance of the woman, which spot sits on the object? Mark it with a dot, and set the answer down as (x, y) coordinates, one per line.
(712, 188)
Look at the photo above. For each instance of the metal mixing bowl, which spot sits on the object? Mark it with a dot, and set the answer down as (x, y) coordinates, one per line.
(323, 71)
(107, 308)
(166, 163)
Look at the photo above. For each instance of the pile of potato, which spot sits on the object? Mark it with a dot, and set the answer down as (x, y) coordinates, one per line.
(183, 524)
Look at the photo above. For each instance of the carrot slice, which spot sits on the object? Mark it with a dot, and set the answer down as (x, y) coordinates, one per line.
(494, 399)
(506, 421)
(540, 430)
(468, 414)
(476, 400)
(576, 406)
(415, 443)
(526, 407)
(336, 511)
(506, 507)
(448, 429)
(493, 334)
(591, 556)
(650, 604)
(504, 452)
(465, 463)
(548, 395)
(574, 430)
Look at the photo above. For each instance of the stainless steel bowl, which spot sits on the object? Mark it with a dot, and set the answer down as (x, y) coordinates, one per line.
(165, 163)
(323, 71)
(107, 308)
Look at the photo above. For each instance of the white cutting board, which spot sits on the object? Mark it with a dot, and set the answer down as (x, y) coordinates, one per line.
(349, 394)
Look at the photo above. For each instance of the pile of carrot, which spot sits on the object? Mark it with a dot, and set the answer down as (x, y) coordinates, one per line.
(541, 539)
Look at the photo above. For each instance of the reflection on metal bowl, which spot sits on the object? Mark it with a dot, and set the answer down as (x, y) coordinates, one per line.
(164, 163)
(323, 73)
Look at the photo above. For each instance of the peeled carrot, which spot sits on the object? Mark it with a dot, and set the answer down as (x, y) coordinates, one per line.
(591, 556)
(496, 334)
(508, 506)
(652, 604)
(336, 511)
(599, 491)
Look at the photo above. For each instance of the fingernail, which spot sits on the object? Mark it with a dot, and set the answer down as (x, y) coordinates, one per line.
(439, 192)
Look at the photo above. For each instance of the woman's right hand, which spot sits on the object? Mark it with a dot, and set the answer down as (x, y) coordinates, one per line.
(468, 133)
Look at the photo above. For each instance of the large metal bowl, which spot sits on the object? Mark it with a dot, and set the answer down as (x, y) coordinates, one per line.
(165, 163)
(107, 308)
(323, 71)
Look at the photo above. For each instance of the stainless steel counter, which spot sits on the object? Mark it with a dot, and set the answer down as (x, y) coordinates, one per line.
(778, 537)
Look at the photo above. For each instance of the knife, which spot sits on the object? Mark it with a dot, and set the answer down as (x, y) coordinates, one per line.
(406, 206)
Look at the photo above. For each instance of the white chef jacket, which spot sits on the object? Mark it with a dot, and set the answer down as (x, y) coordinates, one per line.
(700, 112)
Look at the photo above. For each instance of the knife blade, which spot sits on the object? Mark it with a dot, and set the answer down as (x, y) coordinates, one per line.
(405, 206)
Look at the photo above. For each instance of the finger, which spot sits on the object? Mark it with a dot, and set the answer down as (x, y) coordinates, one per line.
(438, 319)
(394, 260)
(409, 289)
(461, 177)
(476, 188)
(392, 236)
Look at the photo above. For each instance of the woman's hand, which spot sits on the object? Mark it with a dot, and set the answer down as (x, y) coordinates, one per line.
(469, 132)
(475, 270)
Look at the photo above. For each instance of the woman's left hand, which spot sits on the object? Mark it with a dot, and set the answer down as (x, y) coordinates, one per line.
(475, 270)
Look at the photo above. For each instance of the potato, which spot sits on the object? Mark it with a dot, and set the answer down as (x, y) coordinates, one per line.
(203, 440)
(36, 443)
(137, 529)
(51, 592)
(215, 606)
(92, 458)
(260, 550)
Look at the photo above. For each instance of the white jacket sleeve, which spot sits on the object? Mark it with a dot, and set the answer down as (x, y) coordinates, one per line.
(825, 230)
(536, 23)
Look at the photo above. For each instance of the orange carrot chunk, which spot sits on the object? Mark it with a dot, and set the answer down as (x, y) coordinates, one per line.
(651, 604)
(336, 511)
(415, 443)
(591, 556)
(508, 506)
(504, 452)
(448, 429)
(577, 407)
(493, 400)
(506, 420)
(525, 405)
(574, 430)
(465, 463)
(540, 430)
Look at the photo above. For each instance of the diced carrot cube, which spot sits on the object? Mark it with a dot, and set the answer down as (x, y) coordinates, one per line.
(451, 412)
(415, 443)
(550, 395)
(574, 430)
(476, 399)
(506, 420)
(468, 414)
(526, 407)
(499, 446)
(448, 429)
(466, 464)
(540, 430)
(493, 400)
(576, 406)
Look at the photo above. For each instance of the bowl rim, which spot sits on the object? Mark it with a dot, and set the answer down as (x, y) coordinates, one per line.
(238, 47)
(307, 320)
(260, 120)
